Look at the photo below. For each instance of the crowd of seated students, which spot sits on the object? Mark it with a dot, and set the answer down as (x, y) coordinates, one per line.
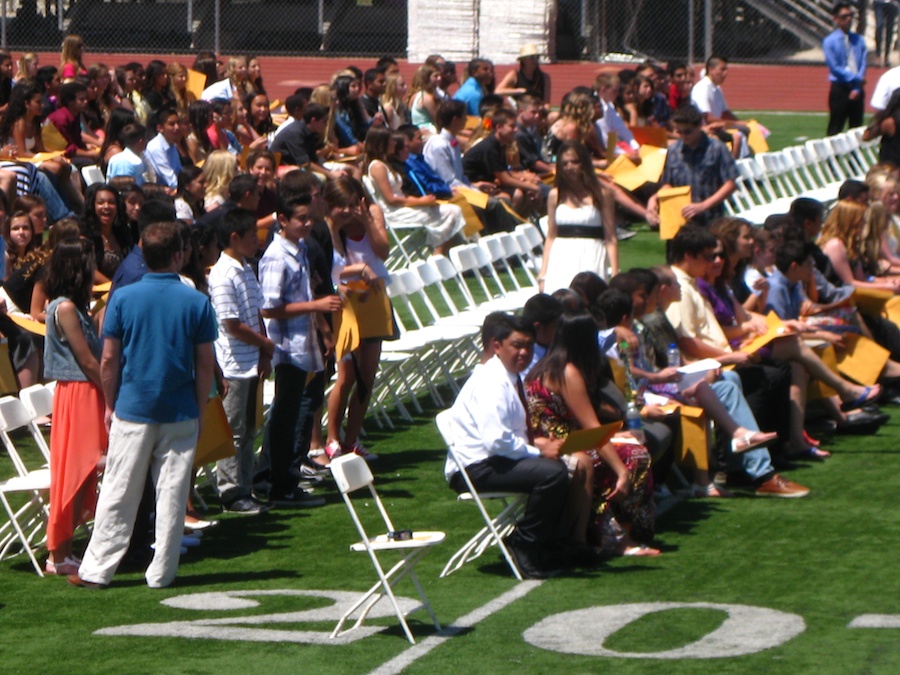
(357, 156)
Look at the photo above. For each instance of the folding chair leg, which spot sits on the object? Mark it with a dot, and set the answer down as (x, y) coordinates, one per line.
(25, 540)
(491, 534)
(386, 583)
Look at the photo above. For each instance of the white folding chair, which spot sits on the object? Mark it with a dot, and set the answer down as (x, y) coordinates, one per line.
(495, 528)
(27, 522)
(351, 473)
(38, 401)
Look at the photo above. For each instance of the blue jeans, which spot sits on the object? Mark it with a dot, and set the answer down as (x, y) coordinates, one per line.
(755, 463)
(56, 207)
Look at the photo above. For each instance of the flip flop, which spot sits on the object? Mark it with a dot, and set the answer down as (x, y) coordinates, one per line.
(866, 395)
(751, 440)
(816, 454)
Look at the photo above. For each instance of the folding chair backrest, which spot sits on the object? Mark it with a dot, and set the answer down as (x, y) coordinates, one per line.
(451, 274)
(38, 400)
(13, 416)
(350, 475)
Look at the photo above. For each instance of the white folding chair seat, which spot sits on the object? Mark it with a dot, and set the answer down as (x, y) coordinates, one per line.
(351, 473)
(26, 524)
(496, 527)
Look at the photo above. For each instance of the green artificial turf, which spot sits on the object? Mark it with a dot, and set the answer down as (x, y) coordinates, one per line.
(828, 559)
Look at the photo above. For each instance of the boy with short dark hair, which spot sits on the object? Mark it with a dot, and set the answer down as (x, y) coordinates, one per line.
(244, 353)
(130, 161)
(291, 317)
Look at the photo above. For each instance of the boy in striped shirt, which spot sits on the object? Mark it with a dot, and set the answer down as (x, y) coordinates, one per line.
(244, 353)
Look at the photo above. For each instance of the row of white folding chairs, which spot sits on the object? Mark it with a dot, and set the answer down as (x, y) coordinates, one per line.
(27, 513)
(439, 336)
(770, 181)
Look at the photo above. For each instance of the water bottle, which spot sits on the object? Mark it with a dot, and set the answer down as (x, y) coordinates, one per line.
(673, 355)
(633, 421)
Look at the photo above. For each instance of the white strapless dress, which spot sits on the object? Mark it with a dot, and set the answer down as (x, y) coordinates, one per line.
(571, 255)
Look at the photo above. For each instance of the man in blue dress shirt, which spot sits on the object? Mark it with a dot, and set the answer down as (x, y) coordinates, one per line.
(845, 55)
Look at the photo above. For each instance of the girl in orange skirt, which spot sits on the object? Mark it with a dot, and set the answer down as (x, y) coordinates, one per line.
(78, 437)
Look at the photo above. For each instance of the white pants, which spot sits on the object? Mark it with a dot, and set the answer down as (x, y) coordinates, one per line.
(167, 452)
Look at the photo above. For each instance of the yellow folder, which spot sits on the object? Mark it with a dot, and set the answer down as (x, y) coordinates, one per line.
(215, 440)
(671, 202)
(585, 439)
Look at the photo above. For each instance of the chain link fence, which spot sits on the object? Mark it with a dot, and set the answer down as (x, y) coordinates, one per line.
(595, 30)
(301, 27)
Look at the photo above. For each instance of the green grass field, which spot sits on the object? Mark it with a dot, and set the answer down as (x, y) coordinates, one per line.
(242, 602)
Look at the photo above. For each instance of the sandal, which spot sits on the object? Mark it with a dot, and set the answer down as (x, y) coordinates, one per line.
(810, 440)
(868, 394)
(751, 440)
(813, 453)
(640, 551)
(711, 490)
(65, 568)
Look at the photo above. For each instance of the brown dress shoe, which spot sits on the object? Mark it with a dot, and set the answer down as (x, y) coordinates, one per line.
(76, 580)
(778, 486)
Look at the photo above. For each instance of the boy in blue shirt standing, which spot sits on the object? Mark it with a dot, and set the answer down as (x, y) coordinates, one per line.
(292, 317)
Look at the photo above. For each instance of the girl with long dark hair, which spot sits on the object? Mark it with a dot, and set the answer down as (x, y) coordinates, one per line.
(581, 225)
(78, 437)
(612, 481)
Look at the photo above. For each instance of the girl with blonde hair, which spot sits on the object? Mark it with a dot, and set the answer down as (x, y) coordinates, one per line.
(576, 123)
(423, 99)
(26, 67)
(71, 63)
(841, 239)
(219, 168)
(394, 101)
(178, 77)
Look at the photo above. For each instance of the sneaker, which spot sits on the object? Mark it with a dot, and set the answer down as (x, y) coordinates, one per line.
(314, 472)
(297, 498)
(777, 486)
(246, 507)
(333, 449)
(358, 449)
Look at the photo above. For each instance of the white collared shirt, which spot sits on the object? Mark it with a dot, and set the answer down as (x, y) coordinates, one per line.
(488, 418)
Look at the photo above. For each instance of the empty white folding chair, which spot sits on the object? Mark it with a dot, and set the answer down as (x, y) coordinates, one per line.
(468, 260)
(496, 527)
(26, 524)
(38, 401)
(351, 473)
(531, 242)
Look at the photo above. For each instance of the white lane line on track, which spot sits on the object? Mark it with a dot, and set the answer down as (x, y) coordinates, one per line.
(417, 651)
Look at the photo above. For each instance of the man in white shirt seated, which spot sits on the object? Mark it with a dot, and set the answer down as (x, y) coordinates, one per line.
(491, 438)
(718, 120)
(607, 86)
